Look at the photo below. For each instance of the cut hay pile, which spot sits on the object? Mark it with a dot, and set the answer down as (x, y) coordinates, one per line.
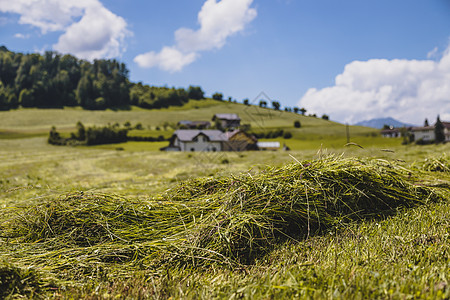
(16, 282)
(437, 164)
(228, 220)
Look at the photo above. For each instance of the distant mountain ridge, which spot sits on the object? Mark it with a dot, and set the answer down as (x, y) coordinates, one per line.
(380, 122)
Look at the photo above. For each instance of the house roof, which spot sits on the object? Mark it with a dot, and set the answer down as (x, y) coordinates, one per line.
(230, 134)
(430, 128)
(187, 135)
(423, 128)
(229, 117)
(393, 130)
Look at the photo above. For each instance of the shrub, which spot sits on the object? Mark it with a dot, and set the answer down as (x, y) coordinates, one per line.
(287, 135)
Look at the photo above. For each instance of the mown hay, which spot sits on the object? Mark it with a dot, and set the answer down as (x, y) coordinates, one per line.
(253, 213)
(84, 220)
(437, 164)
(225, 220)
(15, 281)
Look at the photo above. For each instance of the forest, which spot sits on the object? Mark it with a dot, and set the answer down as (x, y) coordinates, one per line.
(53, 80)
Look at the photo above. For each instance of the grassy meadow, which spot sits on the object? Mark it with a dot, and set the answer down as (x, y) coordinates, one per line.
(314, 132)
(126, 221)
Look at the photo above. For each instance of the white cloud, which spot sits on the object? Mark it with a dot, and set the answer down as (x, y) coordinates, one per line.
(218, 21)
(408, 90)
(90, 30)
(21, 36)
(168, 59)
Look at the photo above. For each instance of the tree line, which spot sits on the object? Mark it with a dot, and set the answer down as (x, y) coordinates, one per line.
(89, 136)
(53, 80)
(110, 134)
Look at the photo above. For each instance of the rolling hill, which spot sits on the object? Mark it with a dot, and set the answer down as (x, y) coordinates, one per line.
(313, 133)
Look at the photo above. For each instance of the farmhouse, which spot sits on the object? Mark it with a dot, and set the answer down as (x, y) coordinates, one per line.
(424, 133)
(196, 140)
(391, 133)
(210, 140)
(227, 120)
(240, 141)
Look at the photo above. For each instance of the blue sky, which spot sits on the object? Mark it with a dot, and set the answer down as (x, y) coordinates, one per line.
(350, 59)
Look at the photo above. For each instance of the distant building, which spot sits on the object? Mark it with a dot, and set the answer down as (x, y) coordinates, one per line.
(210, 140)
(426, 133)
(227, 120)
(196, 140)
(240, 141)
(268, 145)
(391, 133)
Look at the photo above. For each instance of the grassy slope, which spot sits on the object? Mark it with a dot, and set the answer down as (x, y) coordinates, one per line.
(313, 133)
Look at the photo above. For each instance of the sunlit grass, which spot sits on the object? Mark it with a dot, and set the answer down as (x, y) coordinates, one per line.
(405, 255)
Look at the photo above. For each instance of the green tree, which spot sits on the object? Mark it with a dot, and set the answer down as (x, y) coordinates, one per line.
(8, 68)
(85, 92)
(276, 105)
(246, 102)
(262, 103)
(4, 103)
(439, 131)
(26, 98)
(303, 111)
(195, 92)
(296, 109)
(217, 96)
(325, 117)
(287, 135)
(81, 131)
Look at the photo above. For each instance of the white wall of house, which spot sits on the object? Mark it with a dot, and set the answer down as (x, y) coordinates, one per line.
(391, 134)
(202, 144)
(425, 135)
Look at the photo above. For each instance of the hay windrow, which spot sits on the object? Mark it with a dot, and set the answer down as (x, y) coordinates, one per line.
(253, 213)
(227, 220)
(437, 164)
(16, 282)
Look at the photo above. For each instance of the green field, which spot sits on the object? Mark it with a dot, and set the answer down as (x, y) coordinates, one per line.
(127, 221)
(313, 134)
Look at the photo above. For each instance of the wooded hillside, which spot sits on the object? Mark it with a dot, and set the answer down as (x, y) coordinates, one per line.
(56, 80)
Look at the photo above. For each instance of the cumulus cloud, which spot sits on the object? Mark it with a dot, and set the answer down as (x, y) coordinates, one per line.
(408, 90)
(168, 59)
(89, 29)
(218, 21)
